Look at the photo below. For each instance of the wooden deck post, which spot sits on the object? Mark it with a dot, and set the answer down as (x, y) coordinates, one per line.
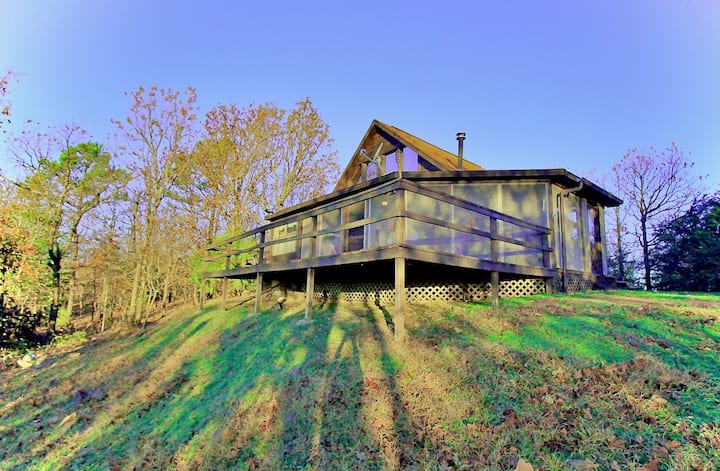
(547, 263)
(495, 257)
(258, 292)
(549, 285)
(223, 299)
(400, 299)
(495, 287)
(309, 291)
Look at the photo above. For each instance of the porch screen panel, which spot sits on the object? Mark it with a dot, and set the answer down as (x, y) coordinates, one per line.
(515, 231)
(519, 255)
(481, 194)
(573, 235)
(283, 232)
(382, 233)
(355, 236)
(306, 245)
(429, 206)
(429, 236)
(329, 244)
(526, 201)
(382, 206)
(446, 188)
(471, 219)
(471, 245)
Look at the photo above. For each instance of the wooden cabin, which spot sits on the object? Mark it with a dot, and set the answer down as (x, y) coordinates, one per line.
(411, 221)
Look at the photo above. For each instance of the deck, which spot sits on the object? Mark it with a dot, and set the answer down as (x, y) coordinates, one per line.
(395, 219)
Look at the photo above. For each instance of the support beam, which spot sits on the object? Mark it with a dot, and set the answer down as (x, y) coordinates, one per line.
(309, 291)
(223, 300)
(400, 299)
(400, 160)
(495, 287)
(549, 288)
(258, 292)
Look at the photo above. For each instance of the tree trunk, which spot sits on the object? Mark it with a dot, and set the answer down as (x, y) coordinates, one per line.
(70, 296)
(55, 265)
(81, 296)
(151, 300)
(646, 254)
(137, 315)
(74, 250)
(620, 253)
(2, 287)
(135, 287)
(166, 295)
(104, 304)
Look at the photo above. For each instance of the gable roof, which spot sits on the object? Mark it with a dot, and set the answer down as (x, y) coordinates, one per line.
(391, 139)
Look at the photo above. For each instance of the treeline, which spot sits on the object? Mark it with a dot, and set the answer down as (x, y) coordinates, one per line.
(114, 230)
(688, 251)
(666, 234)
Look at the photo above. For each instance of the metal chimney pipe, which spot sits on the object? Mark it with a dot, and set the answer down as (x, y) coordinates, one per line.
(460, 138)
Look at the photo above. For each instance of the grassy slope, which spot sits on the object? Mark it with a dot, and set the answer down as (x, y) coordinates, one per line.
(620, 380)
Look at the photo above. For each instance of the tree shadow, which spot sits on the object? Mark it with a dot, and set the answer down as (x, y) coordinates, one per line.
(178, 401)
(269, 393)
(408, 442)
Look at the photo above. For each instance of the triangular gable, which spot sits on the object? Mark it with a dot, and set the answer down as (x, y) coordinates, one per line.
(391, 139)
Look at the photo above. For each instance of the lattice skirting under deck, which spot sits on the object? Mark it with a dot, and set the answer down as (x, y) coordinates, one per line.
(576, 283)
(384, 293)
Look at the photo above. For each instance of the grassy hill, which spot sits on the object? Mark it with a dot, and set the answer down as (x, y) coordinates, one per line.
(619, 380)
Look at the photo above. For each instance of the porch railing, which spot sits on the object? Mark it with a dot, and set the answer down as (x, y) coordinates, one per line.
(398, 213)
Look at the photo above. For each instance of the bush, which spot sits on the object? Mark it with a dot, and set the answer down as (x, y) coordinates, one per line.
(18, 327)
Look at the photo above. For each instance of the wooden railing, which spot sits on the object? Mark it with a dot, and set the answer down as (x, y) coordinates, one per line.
(398, 213)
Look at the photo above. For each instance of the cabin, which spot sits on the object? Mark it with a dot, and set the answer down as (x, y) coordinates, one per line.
(409, 221)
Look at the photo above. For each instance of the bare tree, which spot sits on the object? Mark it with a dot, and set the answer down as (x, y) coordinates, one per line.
(656, 185)
(5, 104)
(158, 136)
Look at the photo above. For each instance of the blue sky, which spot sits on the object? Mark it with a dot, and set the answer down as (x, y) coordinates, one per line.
(569, 84)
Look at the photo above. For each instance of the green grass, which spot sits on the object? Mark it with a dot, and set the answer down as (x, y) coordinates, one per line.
(621, 380)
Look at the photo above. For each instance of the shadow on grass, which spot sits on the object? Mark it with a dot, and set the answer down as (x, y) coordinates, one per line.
(185, 417)
(230, 391)
(67, 389)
